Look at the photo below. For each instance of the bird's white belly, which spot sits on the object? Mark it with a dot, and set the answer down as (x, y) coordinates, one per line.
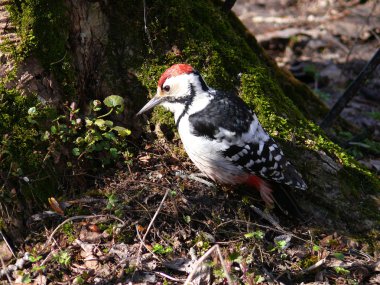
(207, 156)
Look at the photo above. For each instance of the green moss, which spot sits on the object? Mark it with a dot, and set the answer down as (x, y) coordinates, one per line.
(43, 27)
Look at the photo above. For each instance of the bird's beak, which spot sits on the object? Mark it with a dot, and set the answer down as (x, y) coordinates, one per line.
(156, 100)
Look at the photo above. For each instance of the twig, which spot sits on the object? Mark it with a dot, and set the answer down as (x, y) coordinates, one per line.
(146, 27)
(169, 277)
(47, 258)
(202, 259)
(316, 265)
(229, 279)
(351, 91)
(7, 243)
(5, 270)
(142, 242)
(147, 248)
(267, 217)
(55, 62)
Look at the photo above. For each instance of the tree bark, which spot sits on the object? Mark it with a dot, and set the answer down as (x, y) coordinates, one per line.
(109, 53)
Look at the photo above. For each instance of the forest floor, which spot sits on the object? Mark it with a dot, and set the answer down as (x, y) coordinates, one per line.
(130, 229)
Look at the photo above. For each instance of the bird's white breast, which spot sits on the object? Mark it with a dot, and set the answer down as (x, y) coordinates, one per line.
(207, 156)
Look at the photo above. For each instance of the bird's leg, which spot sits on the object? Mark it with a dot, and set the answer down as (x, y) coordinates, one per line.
(200, 177)
(264, 188)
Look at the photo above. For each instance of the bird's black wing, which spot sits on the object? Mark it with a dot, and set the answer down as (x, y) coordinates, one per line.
(226, 111)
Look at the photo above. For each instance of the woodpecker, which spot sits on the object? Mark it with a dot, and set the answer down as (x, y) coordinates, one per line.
(222, 135)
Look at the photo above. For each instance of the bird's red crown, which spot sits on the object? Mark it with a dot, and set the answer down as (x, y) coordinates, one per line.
(174, 70)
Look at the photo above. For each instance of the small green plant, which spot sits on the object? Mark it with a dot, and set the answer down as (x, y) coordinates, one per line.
(187, 219)
(34, 259)
(235, 256)
(316, 248)
(202, 242)
(280, 245)
(112, 201)
(63, 257)
(79, 280)
(338, 255)
(26, 278)
(259, 235)
(68, 230)
(92, 137)
(37, 268)
(114, 205)
(341, 270)
(259, 279)
(160, 249)
(375, 115)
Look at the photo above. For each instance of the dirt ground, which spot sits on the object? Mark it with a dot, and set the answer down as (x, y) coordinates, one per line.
(129, 229)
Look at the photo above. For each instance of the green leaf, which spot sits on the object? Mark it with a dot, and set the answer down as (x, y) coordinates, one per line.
(79, 280)
(45, 136)
(88, 122)
(158, 248)
(256, 234)
(38, 268)
(235, 256)
(123, 132)
(115, 101)
(109, 123)
(34, 258)
(281, 243)
(76, 151)
(338, 255)
(26, 279)
(32, 111)
(112, 201)
(187, 219)
(114, 152)
(109, 135)
(53, 129)
(316, 247)
(249, 235)
(259, 279)
(79, 140)
(341, 270)
(101, 124)
(30, 120)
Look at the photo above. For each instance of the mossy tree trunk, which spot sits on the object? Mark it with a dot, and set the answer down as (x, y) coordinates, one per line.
(91, 49)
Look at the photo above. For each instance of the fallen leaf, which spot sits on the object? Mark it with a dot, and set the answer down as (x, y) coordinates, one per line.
(54, 205)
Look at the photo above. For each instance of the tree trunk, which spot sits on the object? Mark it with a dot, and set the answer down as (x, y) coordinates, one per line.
(87, 50)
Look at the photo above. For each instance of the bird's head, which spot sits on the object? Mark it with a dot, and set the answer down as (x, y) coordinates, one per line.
(177, 86)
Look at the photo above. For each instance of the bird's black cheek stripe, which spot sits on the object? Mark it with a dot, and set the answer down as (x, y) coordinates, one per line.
(187, 100)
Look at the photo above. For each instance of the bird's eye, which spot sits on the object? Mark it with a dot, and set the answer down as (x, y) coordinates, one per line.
(167, 88)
